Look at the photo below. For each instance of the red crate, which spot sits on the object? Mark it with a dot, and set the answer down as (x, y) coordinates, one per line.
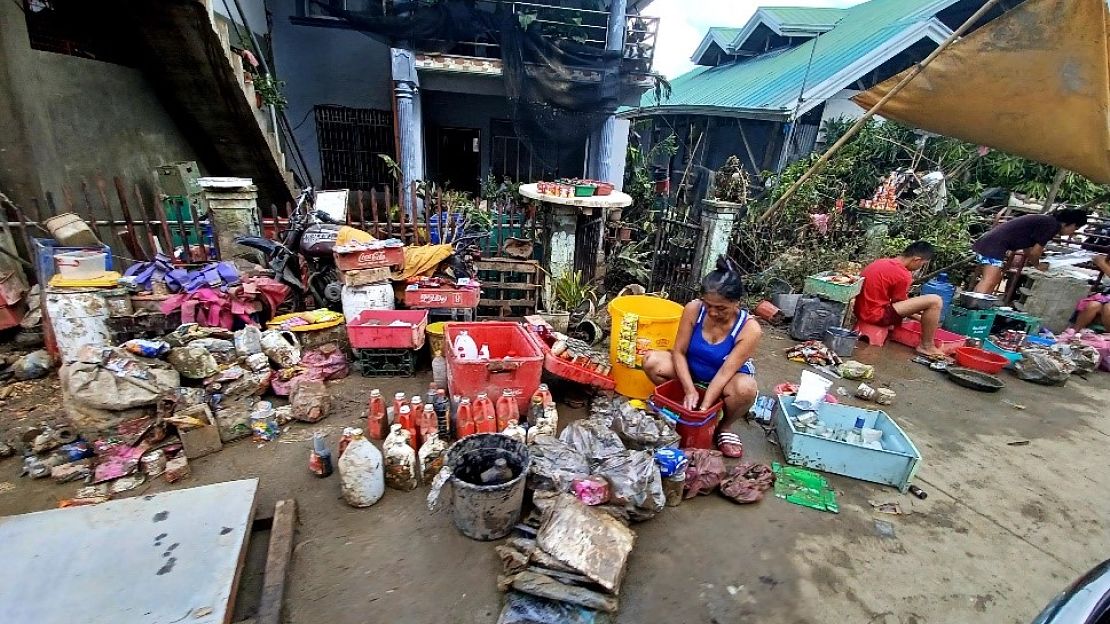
(516, 362)
(572, 372)
(370, 258)
(909, 334)
(371, 329)
(696, 428)
(436, 298)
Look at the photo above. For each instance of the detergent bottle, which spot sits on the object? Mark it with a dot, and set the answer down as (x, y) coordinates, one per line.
(465, 420)
(507, 409)
(361, 472)
(377, 422)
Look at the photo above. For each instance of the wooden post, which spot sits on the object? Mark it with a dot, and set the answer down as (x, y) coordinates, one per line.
(862, 121)
(1054, 190)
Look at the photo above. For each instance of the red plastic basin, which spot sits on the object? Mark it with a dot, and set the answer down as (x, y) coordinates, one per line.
(981, 360)
(694, 427)
(909, 334)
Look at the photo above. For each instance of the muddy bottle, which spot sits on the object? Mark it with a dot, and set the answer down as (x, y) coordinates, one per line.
(319, 459)
(507, 409)
(416, 407)
(345, 440)
(544, 393)
(443, 414)
(484, 414)
(431, 457)
(407, 422)
(536, 411)
(465, 420)
(516, 432)
(401, 468)
(428, 423)
(496, 474)
(430, 396)
(377, 422)
(361, 472)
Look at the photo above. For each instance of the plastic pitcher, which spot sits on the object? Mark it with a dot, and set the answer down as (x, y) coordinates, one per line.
(648, 324)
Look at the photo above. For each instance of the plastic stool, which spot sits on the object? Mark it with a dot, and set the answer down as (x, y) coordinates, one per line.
(876, 334)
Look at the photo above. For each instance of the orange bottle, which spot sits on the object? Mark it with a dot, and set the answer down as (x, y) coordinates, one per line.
(507, 409)
(399, 399)
(484, 414)
(377, 422)
(428, 424)
(405, 419)
(465, 420)
(544, 392)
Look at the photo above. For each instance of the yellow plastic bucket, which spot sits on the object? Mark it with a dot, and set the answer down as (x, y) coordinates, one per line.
(435, 337)
(654, 328)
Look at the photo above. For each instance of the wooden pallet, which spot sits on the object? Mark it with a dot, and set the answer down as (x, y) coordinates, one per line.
(510, 288)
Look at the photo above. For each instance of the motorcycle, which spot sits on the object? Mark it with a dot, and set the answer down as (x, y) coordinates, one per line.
(311, 235)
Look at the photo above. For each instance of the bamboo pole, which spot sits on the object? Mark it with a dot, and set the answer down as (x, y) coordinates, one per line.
(862, 121)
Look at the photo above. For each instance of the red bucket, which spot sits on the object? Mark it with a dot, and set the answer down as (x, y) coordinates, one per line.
(696, 428)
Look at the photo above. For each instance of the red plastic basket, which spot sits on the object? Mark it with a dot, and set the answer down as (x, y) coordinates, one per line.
(371, 329)
(909, 334)
(370, 258)
(435, 298)
(516, 362)
(981, 360)
(573, 372)
(696, 428)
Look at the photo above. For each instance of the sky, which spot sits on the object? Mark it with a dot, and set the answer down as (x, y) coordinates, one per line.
(683, 23)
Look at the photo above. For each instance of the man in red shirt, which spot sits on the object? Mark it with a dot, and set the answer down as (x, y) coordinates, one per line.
(884, 299)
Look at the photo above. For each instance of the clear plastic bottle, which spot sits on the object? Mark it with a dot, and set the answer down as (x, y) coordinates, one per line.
(485, 416)
(377, 422)
(361, 472)
(536, 410)
(464, 420)
(507, 409)
(439, 371)
(431, 457)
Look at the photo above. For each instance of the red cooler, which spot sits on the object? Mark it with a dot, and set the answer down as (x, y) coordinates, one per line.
(515, 362)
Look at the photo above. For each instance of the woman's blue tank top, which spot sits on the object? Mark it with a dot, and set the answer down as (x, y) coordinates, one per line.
(706, 358)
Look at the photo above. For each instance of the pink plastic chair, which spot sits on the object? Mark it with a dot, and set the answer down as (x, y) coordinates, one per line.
(875, 334)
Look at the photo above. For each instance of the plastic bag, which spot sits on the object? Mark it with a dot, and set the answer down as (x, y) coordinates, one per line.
(746, 483)
(34, 365)
(327, 362)
(704, 472)
(1042, 366)
(641, 430)
(811, 392)
(635, 487)
(555, 465)
(592, 439)
(1085, 358)
(521, 608)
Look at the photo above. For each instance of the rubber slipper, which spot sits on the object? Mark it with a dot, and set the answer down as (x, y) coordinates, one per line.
(729, 444)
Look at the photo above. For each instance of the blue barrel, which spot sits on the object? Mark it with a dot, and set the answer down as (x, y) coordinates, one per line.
(939, 286)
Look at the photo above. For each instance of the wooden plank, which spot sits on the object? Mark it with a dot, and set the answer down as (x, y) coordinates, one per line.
(169, 557)
(513, 303)
(504, 264)
(278, 556)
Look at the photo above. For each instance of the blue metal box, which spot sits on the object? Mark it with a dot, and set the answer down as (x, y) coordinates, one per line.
(895, 465)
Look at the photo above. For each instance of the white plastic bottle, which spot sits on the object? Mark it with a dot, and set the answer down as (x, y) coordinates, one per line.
(401, 463)
(431, 457)
(361, 472)
(465, 348)
(516, 432)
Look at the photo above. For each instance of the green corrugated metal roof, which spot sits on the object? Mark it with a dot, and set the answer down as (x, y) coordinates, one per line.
(805, 16)
(723, 35)
(773, 81)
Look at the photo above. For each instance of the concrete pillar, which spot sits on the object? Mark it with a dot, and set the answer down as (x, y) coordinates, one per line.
(604, 140)
(19, 105)
(406, 89)
(718, 221)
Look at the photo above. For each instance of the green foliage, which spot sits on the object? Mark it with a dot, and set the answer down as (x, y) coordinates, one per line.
(269, 89)
(570, 290)
(639, 181)
(731, 183)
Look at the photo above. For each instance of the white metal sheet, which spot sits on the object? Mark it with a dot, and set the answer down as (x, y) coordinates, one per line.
(156, 559)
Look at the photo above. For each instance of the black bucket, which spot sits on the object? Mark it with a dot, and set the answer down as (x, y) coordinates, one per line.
(486, 512)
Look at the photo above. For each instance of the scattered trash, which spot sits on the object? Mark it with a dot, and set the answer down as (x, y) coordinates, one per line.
(319, 459)
(884, 529)
(1018, 443)
(704, 473)
(34, 365)
(892, 508)
(856, 371)
(746, 483)
(813, 352)
(1014, 405)
(918, 492)
(804, 487)
(592, 490)
(176, 469)
(885, 396)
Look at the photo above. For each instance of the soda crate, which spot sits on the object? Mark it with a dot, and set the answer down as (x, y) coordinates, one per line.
(970, 323)
(385, 362)
(844, 293)
(370, 258)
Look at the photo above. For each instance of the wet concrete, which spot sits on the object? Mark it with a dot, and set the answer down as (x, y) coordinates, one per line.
(1004, 527)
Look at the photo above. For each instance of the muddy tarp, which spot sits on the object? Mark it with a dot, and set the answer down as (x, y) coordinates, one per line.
(1034, 82)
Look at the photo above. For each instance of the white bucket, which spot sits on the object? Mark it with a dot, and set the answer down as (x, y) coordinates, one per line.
(356, 299)
(79, 265)
(78, 318)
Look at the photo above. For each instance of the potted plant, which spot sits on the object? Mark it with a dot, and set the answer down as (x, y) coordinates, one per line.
(570, 293)
(731, 186)
(267, 90)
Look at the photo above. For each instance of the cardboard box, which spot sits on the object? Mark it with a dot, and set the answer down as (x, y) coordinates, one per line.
(202, 440)
(362, 277)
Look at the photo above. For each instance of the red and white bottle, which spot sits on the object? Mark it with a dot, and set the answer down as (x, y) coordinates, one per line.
(377, 421)
(507, 409)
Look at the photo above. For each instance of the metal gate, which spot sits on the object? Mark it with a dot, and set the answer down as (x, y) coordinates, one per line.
(675, 270)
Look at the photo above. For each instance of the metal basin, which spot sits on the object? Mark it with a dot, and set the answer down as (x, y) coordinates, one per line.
(978, 301)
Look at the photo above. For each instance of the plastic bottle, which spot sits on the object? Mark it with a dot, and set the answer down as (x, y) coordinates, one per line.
(484, 415)
(400, 460)
(430, 397)
(361, 472)
(399, 399)
(516, 432)
(464, 420)
(319, 460)
(545, 393)
(416, 408)
(405, 421)
(536, 410)
(498, 473)
(345, 440)
(442, 409)
(431, 457)
(439, 371)
(428, 424)
(465, 347)
(377, 422)
(507, 409)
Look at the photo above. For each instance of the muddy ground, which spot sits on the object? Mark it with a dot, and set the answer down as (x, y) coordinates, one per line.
(1003, 529)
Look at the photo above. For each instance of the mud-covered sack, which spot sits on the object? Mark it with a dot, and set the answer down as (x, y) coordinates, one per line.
(110, 378)
(1043, 366)
(327, 362)
(555, 465)
(641, 430)
(635, 487)
(746, 483)
(593, 439)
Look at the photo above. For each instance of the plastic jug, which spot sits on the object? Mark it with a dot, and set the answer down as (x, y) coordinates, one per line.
(428, 423)
(401, 468)
(484, 414)
(507, 409)
(516, 432)
(361, 472)
(431, 457)
(465, 348)
(813, 317)
(939, 285)
(464, 420)
(439, 371)
(282, 347)
(377, 422)
(406, 421)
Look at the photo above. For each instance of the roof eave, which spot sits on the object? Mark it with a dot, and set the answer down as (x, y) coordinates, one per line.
(709, 111)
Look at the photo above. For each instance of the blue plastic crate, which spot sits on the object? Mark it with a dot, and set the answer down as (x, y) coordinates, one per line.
(895, 465)
(46, 248)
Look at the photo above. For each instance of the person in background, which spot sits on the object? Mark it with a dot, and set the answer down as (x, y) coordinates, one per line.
(1029, 233)
(716, 340)
(884, 298)
(1095, 306)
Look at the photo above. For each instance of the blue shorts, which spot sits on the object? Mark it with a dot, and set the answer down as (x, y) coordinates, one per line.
(747, 369)
(994, 262)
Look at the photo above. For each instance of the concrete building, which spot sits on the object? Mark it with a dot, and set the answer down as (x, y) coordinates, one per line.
(440, 108)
